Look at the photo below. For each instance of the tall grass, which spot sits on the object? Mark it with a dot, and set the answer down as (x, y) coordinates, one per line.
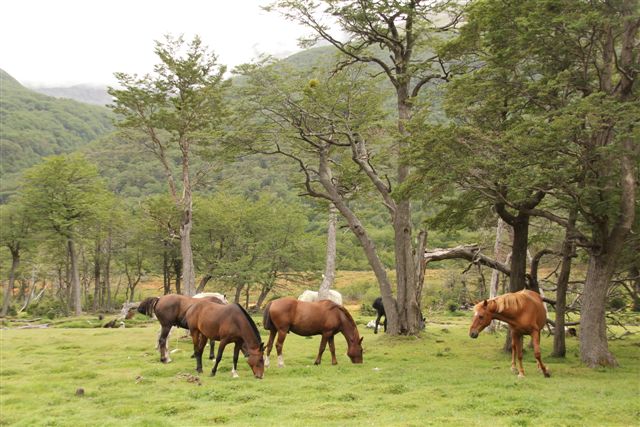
(440, 378)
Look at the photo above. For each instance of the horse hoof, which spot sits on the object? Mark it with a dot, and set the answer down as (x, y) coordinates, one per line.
(547, 374)
(520, 375)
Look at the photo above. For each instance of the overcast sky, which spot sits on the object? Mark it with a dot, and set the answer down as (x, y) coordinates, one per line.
(66, 42)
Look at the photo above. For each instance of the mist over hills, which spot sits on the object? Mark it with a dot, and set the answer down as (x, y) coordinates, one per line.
(89, 94)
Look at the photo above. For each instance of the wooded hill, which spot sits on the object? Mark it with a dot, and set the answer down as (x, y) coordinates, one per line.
(35, 126)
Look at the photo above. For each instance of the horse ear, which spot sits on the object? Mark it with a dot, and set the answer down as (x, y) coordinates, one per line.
(485, 303)
(361, 338)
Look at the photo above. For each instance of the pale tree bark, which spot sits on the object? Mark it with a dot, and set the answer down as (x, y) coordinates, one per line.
(330, 261)
(75, 277)
(495, 274)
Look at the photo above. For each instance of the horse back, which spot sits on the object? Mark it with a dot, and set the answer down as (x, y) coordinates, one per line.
(304, 318)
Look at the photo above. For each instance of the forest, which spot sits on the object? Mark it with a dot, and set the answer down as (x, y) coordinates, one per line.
(496, 140)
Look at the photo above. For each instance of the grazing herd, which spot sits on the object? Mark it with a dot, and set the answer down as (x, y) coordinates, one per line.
(210, 317)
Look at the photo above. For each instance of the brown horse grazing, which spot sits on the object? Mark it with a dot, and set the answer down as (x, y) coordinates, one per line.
(227, 324)
(170, 310)
(524, 313)
(311, 318)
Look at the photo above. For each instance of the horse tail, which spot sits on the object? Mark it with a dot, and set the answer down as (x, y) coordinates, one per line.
(147, 306)
(266, 318)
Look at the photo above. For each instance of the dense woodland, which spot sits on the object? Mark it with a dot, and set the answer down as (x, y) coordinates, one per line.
(504, 135)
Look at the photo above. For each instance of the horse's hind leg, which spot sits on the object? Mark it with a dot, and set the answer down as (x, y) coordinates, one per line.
(375, 330)
(535, 335)
(162, 344)
(272, 335)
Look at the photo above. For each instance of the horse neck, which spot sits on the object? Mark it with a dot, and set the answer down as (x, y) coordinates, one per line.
(504, 316)
(348, 328)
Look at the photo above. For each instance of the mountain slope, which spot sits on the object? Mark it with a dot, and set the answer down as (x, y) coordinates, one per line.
(33, 126)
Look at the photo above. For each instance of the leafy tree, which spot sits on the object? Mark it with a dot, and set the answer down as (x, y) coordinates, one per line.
(62, 195)
(404, 32)
(15, 227)
(179, 107)
(551, 109)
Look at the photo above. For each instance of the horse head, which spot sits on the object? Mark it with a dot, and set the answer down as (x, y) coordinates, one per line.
(482, 317)
(355, 350)
(255, 359)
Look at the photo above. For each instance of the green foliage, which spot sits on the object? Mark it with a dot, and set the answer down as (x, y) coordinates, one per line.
(63, 194)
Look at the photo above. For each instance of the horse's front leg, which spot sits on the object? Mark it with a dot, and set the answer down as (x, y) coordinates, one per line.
(519, 342)
(162, 344)
(212, 347)
(236, 353)
(221, 346)
(323, 345)
(535, 335)
(332, 348)
(375, 330)
(514, 350)
(199, 342)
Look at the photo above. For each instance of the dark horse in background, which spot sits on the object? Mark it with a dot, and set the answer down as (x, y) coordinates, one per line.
(525, 314)
(227, 324)
(379, 307)
(324, 318)
(170, 311)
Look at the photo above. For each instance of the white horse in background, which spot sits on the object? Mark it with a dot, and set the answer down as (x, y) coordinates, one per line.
(221, 297)
(312, 296)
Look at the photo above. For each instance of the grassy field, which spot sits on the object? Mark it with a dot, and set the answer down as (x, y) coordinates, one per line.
(440, 378)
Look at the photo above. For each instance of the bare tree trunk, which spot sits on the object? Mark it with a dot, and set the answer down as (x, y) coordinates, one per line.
(96, 275)
(495, 274)
(8, 287)
(568, 248)
(177, 267)
(634, 274)
(75, 278)
(238, 294)
(594, 348)
(330, 262)
(188, 270)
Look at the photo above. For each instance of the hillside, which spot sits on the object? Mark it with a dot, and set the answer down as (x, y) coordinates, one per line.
(34, 126)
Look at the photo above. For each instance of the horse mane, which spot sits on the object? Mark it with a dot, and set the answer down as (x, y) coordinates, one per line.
(251, 322)
(345, 311)
(509, 301)
(147, 306)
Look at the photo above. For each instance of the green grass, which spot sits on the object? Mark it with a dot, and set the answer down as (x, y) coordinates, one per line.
(441, 378)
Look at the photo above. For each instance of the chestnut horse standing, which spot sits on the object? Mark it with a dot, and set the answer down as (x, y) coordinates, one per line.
(170, 310)
(525, 314)
(227, 324)
(324, 318)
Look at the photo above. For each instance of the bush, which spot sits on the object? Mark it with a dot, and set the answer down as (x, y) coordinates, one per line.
(48, 308)
(367, 310)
